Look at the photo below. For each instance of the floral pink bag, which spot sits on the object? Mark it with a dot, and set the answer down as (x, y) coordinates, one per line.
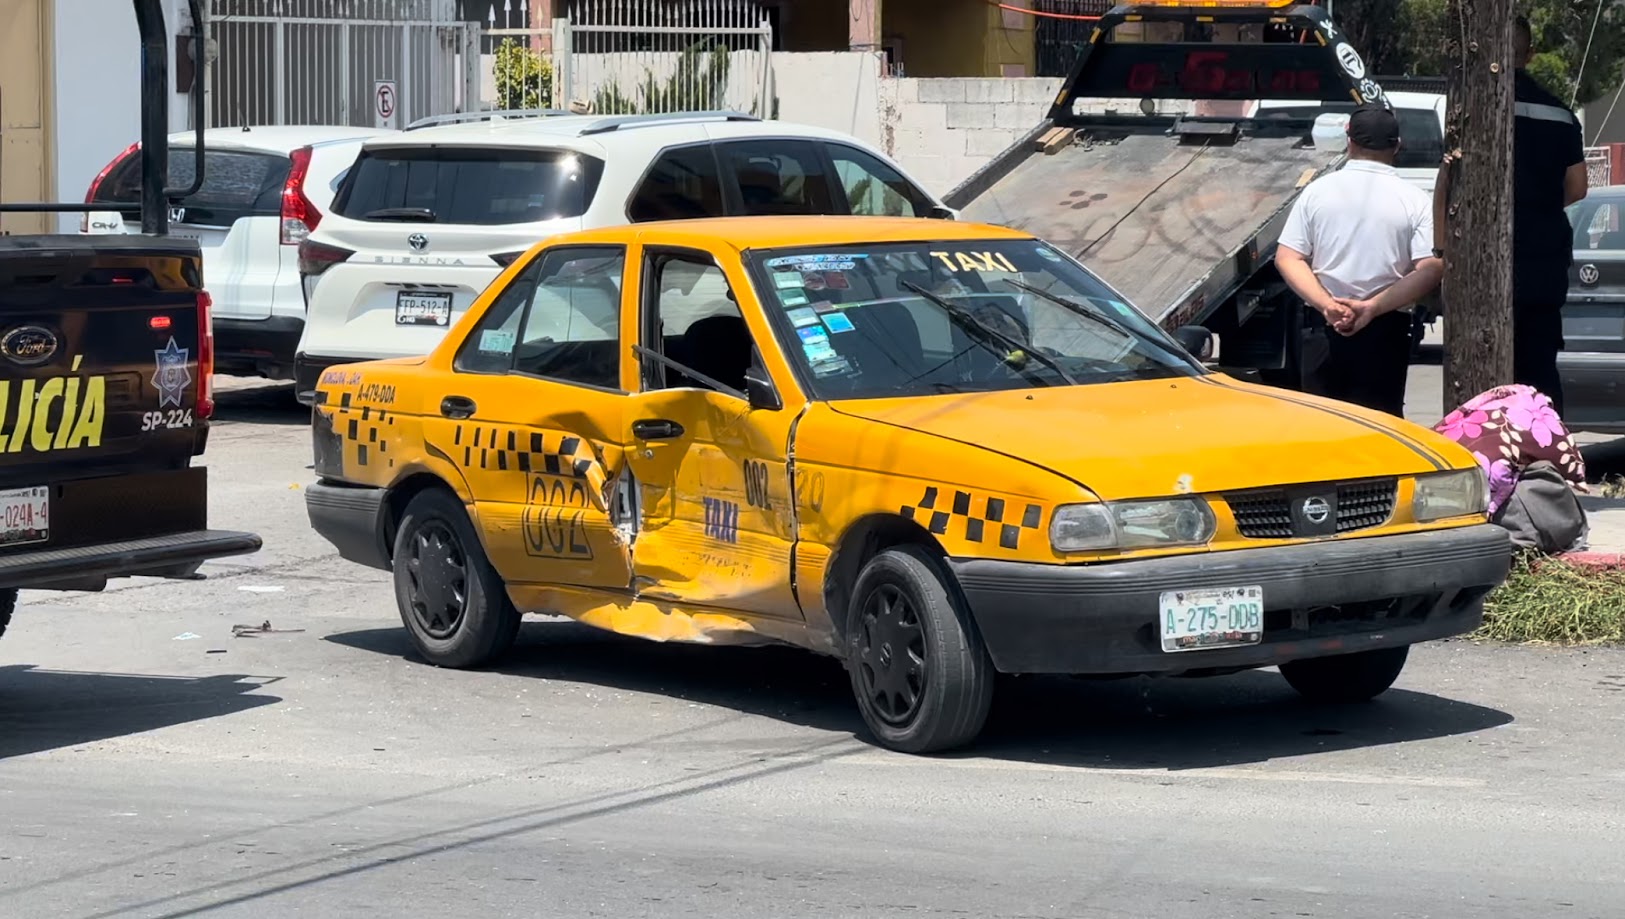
(1508, 428)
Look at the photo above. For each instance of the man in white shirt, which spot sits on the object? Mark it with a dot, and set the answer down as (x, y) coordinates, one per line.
(1358, 248)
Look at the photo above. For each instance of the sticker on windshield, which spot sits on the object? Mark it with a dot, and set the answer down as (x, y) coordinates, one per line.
(821, 353)
(814, 262)
(837, 322)
(803, 317)
(975, 261)
(832, 366)
(813, 335)
(793, 299)
(785, 280)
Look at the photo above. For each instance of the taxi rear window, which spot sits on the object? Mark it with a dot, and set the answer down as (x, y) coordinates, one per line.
(871, 321)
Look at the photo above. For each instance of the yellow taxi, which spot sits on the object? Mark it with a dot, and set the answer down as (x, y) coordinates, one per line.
(938, 451)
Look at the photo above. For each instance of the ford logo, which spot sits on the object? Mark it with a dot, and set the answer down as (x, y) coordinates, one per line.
(29, 345)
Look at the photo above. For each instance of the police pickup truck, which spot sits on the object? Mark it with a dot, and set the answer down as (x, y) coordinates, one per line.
(105, 366)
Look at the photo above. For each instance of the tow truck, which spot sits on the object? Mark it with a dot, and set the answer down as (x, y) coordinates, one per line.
(1179, 202)
(106, 358)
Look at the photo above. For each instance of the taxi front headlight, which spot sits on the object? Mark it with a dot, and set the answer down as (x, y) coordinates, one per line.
(1462, 493)
(1131, 525)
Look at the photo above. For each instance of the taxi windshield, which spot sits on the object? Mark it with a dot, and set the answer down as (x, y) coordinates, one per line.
(905, 319)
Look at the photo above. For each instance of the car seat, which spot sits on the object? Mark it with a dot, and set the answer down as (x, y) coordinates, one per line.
(720, 347)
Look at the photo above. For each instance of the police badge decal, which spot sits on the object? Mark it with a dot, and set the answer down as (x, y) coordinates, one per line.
(172, 377)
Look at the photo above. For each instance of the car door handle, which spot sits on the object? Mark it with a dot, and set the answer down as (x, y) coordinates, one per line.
(457, 406)
(656, 429)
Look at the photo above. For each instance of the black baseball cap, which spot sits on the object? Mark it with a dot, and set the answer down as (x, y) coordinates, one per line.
(1374, 128)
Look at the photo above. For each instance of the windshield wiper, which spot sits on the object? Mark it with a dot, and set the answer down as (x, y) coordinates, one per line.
(410, 214)
(986, 333)
(1094, 315)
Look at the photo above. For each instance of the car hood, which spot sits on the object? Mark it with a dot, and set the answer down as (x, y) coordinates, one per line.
(1163, 437)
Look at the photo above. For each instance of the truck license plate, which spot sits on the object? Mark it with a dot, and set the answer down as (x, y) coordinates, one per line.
(422, 309)
(1223, 617)
(25, 515)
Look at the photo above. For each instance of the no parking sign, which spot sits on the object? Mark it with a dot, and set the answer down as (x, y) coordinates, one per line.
(385, 105)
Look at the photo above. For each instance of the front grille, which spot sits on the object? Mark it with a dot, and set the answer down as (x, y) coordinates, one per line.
(1268, 514)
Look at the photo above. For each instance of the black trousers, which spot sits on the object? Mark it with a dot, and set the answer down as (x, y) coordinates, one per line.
(1538, 293)
(1367, 368)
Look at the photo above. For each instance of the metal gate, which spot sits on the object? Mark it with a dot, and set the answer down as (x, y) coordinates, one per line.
(319, 61)
(633, 56)
(1599, 166)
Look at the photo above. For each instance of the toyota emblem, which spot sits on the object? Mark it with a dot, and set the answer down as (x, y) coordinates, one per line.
(1588, 274)
(418, 242)
(1316, 510)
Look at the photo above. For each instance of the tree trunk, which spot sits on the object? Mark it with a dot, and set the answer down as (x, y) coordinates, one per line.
(1477, 290)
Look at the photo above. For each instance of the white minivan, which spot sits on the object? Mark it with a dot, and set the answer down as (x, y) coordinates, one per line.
(1421, 129)
(264, 189)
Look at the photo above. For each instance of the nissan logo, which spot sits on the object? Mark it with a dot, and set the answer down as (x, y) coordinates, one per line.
(1588, 274)
(29, 345)
(418, 242)
(1316, 510)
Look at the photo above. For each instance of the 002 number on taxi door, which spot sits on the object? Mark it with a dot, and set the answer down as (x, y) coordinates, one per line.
(756, 484)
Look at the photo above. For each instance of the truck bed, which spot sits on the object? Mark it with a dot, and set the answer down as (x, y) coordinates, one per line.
(1168, 223)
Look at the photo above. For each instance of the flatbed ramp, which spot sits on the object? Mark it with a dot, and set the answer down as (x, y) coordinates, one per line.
(1167, 222)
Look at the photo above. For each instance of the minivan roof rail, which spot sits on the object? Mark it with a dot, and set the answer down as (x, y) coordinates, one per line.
(619, 122)
(502, 114)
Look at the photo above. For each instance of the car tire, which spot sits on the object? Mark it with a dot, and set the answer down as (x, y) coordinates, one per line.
(8, 605)
(1346, 678)
(921, 674)
(452, 602)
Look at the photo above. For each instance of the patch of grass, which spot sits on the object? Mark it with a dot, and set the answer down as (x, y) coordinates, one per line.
(1551, 601)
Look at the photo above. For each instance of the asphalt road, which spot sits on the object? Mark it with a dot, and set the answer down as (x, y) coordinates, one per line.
(151, 764)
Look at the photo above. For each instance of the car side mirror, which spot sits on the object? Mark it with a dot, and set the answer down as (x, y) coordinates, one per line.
(1195, 339)
(939, 212)
(759, 390)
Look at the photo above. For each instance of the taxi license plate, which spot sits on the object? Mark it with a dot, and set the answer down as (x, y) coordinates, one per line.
(1222, 617)
(25, 515)
(422, 309)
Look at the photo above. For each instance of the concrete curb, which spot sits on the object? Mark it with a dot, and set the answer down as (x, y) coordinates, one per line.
(1595, 561)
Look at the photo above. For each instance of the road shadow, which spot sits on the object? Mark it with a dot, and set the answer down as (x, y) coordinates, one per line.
(1604, 459)
(47, 709)
(1133, 723)
(249, 401)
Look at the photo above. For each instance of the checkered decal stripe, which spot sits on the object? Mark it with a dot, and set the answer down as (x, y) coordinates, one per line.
(368, 430)
(993, 515)
(513, 449)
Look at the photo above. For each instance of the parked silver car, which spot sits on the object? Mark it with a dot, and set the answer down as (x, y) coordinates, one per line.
(1593, 362)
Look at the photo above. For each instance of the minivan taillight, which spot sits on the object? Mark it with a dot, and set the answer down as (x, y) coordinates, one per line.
(205, 356)
(299, 214)
(96, 184)
(314, 259)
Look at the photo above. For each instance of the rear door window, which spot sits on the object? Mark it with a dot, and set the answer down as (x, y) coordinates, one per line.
(468, 185)
(683, 184)
(778, 176)
(236, 184)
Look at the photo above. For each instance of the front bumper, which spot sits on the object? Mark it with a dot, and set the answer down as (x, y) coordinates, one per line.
(1333, 597)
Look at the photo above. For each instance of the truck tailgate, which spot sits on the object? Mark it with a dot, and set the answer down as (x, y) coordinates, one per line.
(1155, 218)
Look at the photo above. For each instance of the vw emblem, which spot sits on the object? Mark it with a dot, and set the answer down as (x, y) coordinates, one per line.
(418, 242)
(1588, 274)
(1316, 510)
(177, 215)
(29, 345)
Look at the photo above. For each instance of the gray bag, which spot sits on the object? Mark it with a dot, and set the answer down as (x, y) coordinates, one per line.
(1543, 513)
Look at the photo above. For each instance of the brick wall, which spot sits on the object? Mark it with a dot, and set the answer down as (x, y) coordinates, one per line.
(943, 129)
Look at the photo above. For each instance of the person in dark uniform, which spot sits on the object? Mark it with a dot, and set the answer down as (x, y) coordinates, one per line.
(1548, 175)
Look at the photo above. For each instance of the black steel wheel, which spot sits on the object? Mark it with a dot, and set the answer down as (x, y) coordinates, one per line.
(920, 672)
(1346, 678)
(452, 602)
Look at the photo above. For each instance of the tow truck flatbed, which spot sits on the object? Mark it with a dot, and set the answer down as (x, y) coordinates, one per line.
(1178, 208)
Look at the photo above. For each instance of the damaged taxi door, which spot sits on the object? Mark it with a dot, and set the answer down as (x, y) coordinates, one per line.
(530, 417)
(715, 523)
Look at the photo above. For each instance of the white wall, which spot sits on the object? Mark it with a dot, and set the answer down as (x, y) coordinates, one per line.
(96, 95)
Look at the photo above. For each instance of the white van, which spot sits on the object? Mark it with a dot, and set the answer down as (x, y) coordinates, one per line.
(1421, 129)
